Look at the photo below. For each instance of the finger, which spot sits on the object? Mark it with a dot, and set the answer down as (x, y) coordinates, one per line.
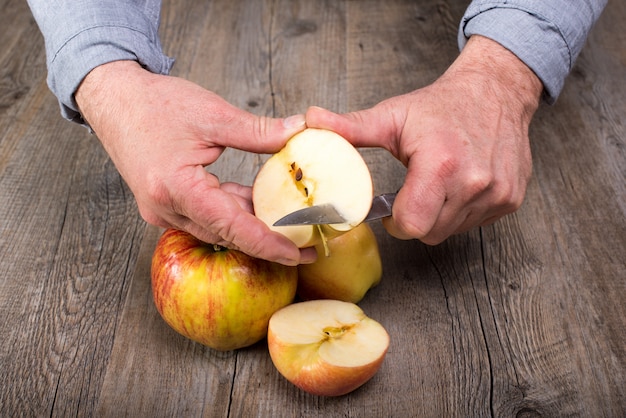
(230, 126)
(227, 224)
(454, 220)
(213, 215)
(375, 127)
(480, 199)
(243, 195)
(460, 214)
(418, 204)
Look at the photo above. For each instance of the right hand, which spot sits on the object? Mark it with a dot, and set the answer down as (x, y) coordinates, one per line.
(464, 141)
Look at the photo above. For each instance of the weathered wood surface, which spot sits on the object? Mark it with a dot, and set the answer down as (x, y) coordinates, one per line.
(522, 318)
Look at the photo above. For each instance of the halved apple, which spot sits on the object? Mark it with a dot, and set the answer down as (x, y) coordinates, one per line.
(315, 167)
(326, 347)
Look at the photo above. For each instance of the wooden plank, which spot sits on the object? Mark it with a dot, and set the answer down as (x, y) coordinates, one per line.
(546, 312)
(454, 295)
(22, 75)
(525, 317)
(204, 37)
(581, 168)
(224, 47)
(63, 210)
(68, 211)
(424, 301)
(307, 45)
(153, 371)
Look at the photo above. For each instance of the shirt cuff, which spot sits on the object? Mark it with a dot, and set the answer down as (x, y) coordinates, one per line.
(129, 36)
(534, 40)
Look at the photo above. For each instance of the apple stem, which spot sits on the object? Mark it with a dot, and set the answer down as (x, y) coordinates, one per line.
(324, 241)
(217, 248)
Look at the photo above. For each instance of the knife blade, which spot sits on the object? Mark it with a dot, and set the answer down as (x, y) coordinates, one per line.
(327, 214)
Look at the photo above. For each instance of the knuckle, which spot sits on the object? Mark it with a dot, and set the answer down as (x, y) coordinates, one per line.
(448, 166)
(478, 182)
(151, 217)
(261, 128)
(510, 195)
(154, 190)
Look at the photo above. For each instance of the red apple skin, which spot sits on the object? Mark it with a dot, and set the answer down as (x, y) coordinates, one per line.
(318, 378)
(222, 299)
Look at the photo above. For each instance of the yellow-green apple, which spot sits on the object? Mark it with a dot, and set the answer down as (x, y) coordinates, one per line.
(218, 297)
(326, 347)
(315, 167)
(351, 268)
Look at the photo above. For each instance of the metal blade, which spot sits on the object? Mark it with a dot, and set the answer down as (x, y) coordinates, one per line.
(313, 215)
(381, 206)
(327, 214)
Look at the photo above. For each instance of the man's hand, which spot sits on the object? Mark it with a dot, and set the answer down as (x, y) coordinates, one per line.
(161, 132)
(464, 141)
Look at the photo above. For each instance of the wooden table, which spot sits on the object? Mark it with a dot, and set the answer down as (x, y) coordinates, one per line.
(522, 318)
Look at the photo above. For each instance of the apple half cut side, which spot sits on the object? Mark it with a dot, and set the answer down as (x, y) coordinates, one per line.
(326, 347)
(315, 167)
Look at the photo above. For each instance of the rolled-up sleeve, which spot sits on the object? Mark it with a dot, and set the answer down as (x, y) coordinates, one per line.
(546, 35)
(83, 34)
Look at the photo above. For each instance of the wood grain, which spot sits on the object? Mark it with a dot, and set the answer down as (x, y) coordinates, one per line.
(521, 318)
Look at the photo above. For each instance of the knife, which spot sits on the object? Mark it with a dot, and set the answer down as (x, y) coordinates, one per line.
(327, 214)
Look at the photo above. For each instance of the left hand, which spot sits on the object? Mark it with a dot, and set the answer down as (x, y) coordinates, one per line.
(162, 132)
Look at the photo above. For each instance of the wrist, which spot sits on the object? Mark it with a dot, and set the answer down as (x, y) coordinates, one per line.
(100, 94)
(489, 65)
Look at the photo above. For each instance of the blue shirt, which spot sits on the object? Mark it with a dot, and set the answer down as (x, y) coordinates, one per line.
(547, 35)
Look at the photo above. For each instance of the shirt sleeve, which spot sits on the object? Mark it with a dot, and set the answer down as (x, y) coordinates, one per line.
(80, 35)
(546, 35)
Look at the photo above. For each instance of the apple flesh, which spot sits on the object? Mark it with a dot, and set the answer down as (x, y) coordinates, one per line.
(352, 267)
(326, 347)
(218, 297)
(315, 167)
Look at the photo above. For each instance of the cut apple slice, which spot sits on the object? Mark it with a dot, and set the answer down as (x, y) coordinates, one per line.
(315, 167)
(326, 347)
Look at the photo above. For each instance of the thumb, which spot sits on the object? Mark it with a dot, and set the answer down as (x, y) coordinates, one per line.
(260, 134)
(374, 127)
(418, 204)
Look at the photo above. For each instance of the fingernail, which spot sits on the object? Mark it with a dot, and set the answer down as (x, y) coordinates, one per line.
(287, 262)
(308, 255)
(295, 121)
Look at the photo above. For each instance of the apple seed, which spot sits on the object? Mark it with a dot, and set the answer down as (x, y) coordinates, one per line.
(335, 332)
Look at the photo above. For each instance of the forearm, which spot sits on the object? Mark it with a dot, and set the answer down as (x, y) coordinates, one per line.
(546, 35)
(81, 35)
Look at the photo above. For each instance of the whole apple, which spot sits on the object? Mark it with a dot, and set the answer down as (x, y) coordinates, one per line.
(351, 268)
(218, 297)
